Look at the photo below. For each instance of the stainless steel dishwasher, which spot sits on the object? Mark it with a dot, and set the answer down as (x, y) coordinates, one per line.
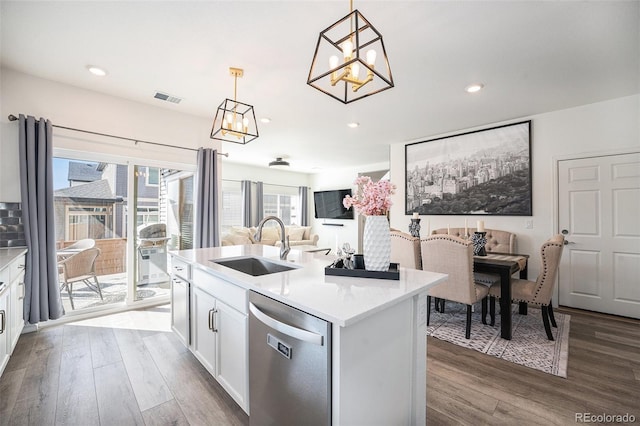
(289, 365)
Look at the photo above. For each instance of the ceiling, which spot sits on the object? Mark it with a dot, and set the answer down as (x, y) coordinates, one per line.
(532, 57)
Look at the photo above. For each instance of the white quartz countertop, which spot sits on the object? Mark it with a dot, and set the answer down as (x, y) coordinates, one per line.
(340, 300)
(8, 255)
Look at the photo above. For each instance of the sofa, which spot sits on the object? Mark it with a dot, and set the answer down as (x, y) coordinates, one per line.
(298, 235)
(497, 241)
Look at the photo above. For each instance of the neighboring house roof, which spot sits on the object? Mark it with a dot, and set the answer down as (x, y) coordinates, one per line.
(98, 190)
(84, 172)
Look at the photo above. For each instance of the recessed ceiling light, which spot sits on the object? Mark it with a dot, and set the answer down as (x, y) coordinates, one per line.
(473, 88)
(265, 120)
(96, 70)
(353, 125)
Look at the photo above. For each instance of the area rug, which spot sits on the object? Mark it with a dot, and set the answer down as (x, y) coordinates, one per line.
(529, 345)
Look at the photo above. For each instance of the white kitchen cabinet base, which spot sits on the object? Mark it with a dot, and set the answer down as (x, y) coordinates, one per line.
(379, 368)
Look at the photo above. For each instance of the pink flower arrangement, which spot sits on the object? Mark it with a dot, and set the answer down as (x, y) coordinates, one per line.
(371, 198)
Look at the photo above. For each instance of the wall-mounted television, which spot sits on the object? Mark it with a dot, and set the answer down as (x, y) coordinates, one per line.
(328, 204)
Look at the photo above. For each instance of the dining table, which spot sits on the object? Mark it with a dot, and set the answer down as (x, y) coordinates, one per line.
(504, 265)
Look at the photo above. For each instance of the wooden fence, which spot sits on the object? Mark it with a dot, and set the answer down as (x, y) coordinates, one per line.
(113, 255)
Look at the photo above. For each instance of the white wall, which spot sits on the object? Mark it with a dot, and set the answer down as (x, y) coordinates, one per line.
(335, 236)
(236, 171)
(70, 106)
(595, 128)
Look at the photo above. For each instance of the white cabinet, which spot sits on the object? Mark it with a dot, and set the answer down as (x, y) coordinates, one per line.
(11, 304)
(16, 302)
(232, 351)
(203, 344)
(181, 273)
(219, 332)
(4, 328)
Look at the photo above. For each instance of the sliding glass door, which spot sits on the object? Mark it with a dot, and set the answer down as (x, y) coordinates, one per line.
(133, 214)
(90, 206)
(163, 201)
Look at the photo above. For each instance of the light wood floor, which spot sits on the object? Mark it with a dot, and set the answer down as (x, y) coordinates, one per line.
(86, 374)
(603, 377)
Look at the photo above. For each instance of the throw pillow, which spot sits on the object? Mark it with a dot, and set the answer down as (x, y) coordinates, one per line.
(296, 234)
(235, 239)
(307, 232)
(242, 231)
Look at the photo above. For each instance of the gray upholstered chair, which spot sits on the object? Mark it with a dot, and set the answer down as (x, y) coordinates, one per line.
(80, 267)
(497, 241)
(405, 250)
(540, 291)
(453, 256)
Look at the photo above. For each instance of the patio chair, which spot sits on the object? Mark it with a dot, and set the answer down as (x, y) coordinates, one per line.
(80, 245)
(80, 267)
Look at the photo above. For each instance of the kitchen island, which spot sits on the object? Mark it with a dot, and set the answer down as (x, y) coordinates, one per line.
(378, 352)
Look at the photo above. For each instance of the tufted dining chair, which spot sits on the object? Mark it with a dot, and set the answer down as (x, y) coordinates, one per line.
(540, 291)
(453, 256)
(497, 241)
(405, 250)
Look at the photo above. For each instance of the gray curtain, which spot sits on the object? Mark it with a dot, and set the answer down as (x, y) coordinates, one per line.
(207, 199)
(260, 200)
(245, 186)
(303, 195)
(42, 292)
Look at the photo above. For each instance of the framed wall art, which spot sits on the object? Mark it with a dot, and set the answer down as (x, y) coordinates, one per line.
(484, 172)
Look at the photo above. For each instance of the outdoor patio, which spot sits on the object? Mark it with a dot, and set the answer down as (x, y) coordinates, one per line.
(114, 290)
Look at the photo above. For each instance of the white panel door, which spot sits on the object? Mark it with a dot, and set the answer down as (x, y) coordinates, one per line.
(599, 213)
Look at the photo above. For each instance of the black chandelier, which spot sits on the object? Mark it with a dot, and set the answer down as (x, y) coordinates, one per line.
(235, 121)
(350, 48)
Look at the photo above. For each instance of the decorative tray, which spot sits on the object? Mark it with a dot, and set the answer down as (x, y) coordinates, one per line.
(392, 274)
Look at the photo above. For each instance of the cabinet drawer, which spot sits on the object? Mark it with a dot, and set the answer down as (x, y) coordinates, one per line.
(17, 267)
(229, 293)
(180, 268)
(5, 279)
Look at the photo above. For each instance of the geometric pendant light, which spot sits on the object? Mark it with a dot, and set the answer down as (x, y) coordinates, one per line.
(344, 63)
(235, 121)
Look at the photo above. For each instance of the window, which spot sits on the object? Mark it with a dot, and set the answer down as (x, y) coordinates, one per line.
(281, 201)
(231, 205)
(88, 222)
(153, 176)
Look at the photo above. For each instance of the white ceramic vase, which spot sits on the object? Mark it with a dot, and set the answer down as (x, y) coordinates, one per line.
(376, 242)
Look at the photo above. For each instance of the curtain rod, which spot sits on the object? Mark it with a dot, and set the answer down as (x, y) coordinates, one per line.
(226, 154)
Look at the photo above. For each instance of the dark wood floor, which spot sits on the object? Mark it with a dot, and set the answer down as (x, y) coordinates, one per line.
(81, 375)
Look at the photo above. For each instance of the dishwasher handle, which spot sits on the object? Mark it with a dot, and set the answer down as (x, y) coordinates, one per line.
(297, 333)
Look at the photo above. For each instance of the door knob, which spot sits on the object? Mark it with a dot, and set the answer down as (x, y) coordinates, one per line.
(567, 242)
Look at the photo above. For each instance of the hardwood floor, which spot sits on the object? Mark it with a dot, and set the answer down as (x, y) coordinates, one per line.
(91, 375)
(81, 374)
(603, 377)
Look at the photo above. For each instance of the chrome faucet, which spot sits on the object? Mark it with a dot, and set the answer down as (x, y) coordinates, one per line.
(284, 246)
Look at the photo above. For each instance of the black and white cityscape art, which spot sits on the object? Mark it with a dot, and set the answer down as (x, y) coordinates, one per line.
(486, 172)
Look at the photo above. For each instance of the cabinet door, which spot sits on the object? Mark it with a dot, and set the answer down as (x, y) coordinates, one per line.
(203, 336)
(4, 329)
(232, 365)
(180, 309)
(16, 308)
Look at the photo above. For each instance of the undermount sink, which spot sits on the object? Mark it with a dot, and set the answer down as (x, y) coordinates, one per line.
(253, 265)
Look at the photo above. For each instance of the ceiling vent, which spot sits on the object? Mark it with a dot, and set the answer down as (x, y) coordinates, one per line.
(168, 98)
